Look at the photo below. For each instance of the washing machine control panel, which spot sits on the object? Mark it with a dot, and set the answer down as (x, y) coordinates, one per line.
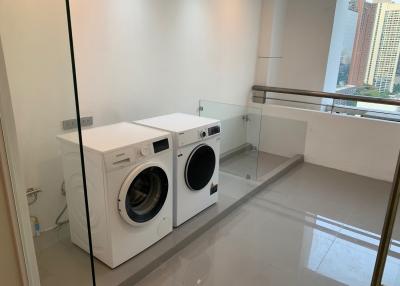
(144, 151)
(214, 130)
(161, 145)
(133, 154)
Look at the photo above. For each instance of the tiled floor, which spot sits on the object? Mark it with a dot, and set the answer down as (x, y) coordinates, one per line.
(315, 226)
(63, 264)
(251, 164)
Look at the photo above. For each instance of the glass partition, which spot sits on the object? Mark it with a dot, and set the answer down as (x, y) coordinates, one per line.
(338, 107)
(318, 225)
(38, 113)
(240, 136)
(50, 173)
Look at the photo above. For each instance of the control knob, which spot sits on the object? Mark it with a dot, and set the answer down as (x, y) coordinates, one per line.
(144, 151)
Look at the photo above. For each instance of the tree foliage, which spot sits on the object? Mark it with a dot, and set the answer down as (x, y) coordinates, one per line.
(368, 90)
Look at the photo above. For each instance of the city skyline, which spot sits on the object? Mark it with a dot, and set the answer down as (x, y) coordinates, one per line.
(376, 45)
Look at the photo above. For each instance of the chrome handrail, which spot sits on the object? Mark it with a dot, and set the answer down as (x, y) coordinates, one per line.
(321, 94)
(387, 230)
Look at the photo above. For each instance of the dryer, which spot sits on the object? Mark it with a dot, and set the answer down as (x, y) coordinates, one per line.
(129, 180)
(196, 143)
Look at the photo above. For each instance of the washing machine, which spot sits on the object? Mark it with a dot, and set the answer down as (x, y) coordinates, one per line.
(196, 143)
(129, 180)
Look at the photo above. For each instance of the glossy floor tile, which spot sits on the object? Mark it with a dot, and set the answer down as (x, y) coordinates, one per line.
(63, 264)
(251, 164)
(315, 226)
(60, 262)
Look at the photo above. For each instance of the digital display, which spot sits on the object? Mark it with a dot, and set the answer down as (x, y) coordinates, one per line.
(214, 130)
(161, 145)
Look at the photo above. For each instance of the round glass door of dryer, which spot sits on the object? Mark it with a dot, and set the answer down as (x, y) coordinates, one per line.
(200, 167)
(143, 194)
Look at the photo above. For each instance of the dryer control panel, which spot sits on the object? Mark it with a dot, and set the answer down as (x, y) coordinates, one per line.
(196, 135)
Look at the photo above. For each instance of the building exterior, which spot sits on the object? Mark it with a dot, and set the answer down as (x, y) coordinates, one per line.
(385, 47)
(362, 43)
(377, 46)
(354, 5)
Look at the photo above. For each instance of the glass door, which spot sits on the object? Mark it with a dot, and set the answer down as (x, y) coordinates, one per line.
(200, 167)
(143, 195)
(40, 119)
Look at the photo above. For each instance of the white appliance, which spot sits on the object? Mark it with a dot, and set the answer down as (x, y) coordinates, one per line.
(196, 143)
(129, 180)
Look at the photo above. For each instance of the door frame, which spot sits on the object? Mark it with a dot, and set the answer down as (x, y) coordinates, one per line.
(15, 185)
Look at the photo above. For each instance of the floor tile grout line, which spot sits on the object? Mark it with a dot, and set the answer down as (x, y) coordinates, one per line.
(325, 255)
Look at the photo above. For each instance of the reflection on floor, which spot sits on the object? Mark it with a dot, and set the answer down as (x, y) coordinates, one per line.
(63, 264)
(251, 164)
(315, 226)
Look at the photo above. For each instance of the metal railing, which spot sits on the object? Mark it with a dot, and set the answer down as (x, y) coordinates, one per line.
(394, 198)
(387, 229)
(321, 94)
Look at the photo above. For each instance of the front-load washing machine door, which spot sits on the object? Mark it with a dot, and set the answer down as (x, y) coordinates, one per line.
(143, 194)
(200, 167)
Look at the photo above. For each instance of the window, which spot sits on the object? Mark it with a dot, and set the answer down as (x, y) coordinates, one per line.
(369, 63)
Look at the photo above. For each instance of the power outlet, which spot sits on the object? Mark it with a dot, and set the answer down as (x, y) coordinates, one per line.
(73, 123)
(87, 121)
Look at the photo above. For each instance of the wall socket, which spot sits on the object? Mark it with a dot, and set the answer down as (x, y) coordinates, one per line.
(73, 123)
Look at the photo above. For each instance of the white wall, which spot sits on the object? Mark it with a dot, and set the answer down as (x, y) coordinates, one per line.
(302, 31)
(134, 58)
(362, 146)
(142, 58)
